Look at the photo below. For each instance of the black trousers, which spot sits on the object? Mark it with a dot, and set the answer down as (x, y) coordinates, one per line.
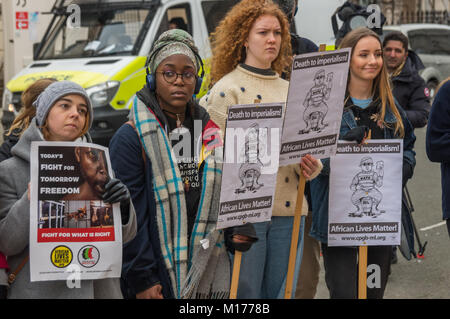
(341, 271)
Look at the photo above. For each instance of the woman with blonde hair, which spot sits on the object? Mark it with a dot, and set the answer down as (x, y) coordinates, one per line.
(251, 48)
(369, 106)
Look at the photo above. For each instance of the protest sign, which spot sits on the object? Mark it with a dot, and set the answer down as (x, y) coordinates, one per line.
(314, 105)
(70, 225)
(366, 194)
(252, 144)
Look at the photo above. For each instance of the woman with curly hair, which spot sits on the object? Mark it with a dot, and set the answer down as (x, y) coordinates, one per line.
(251, 48)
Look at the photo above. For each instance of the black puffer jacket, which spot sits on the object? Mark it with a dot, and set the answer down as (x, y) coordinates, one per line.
(411, 92)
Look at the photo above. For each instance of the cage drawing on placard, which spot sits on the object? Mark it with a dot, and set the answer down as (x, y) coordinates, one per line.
(74, 214)
(51, 214)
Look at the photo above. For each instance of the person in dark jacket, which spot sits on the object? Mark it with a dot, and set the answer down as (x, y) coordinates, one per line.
(410, 91)
(438, 142)
(409, 87)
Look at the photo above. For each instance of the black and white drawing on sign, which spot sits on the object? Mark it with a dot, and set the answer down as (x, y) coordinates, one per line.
(251, 161)
(315, 104)
(250, 170)
(366, 188)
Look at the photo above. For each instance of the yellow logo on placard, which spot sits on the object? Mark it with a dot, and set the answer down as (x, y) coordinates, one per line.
(61, 256)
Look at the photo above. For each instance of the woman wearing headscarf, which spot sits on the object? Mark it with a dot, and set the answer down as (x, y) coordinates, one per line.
(166, 155)
(63, 113)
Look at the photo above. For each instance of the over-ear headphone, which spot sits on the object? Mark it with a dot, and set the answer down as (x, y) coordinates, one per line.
(151, 79)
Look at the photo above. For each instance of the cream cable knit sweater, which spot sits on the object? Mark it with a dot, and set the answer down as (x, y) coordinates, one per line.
(243, 87)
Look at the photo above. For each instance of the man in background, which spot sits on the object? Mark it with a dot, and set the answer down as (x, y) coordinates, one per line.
(409, 87)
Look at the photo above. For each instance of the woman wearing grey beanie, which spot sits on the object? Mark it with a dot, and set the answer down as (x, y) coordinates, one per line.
(63, 113)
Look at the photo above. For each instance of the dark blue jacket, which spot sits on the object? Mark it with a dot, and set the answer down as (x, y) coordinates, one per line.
(320, 185)
(302, 45)
(438, 141)
(143, 265)
(411, 92)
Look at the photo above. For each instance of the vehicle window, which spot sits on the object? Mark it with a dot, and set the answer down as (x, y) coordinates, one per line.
(430, 41)
(215, 11)
(176, 17)
(100, 34)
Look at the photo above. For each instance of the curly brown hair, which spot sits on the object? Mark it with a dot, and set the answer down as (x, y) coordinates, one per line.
(227, 42)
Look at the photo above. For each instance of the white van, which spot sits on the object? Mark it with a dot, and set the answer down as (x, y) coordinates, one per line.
(107, 53)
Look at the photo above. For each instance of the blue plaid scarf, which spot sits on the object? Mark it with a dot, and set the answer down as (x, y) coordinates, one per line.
(195, 271)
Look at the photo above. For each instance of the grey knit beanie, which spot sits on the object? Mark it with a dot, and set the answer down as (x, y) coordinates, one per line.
(53, 93)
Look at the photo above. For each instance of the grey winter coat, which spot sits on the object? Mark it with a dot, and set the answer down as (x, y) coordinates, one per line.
(15, 227)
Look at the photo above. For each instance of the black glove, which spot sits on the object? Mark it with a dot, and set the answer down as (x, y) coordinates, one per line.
(244, 230)
(357, 134)
(407, 172)
(115, 192)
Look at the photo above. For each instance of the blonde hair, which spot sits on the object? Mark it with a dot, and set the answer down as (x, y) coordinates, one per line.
(381, 84)
(28, 111)
(227, 42)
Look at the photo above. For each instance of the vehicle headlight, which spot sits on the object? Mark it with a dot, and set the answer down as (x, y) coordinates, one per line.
(102, 94)
(8, 101)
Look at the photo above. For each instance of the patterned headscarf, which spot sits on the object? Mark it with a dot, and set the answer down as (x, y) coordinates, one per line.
(172, 42)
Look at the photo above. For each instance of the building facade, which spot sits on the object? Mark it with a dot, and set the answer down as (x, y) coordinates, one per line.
(412, 11)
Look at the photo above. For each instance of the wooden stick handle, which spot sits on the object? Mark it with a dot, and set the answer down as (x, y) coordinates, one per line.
(236, 270)
(294, 238)
(362, 279)
(362, 260)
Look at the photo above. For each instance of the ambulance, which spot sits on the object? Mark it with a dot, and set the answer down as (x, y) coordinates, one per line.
(103, 46)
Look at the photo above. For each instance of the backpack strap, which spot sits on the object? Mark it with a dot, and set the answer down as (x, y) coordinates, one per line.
(12, 276)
